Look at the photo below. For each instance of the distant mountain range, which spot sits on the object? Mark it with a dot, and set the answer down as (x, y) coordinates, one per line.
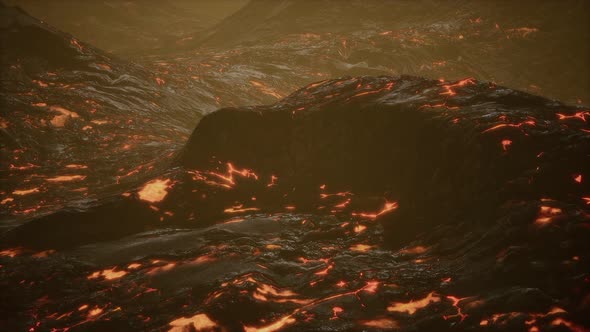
(131, 27)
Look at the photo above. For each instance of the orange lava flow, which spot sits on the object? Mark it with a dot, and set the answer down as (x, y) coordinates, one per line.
(336, 311)
(362, 228)
(439, 106)
(66, 178)
(165, 266)
(388, 207)
(505, 144)
(265, 293)
(75, 43)
(573, 327)
(225, 180)
(361, 247)
(133, 266)
(40, 83)
(286, 320)
(198, 322)
(414, 250)
(272, 182)
(547, 214)
(521, 32)
(580, 115)
(159, 269)
(22, 168)
(449, 87)
(343, 204)
(60, 120)
(387, 87)
(104, 66)
(25, 192)
(239, 209)
(44, 253)
(76, 166)
(95, 312)
(459, 313)
(279, 324)
(502, 318)
(265, 89)
(382, 323)
(234, 221)
(412, 306)
(325, 271)
(7, 200)
(108, 274)
(13, 252)
(155, 190)
(510, 125)
(341, 194)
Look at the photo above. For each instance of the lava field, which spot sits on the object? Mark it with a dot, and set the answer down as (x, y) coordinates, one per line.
(277, 173)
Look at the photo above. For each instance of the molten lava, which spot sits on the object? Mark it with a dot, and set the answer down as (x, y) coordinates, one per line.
(155, 191)
(198, 322)
(388, 207)
(414, 305)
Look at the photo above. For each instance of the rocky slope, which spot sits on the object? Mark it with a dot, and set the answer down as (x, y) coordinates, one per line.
(71, 113)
